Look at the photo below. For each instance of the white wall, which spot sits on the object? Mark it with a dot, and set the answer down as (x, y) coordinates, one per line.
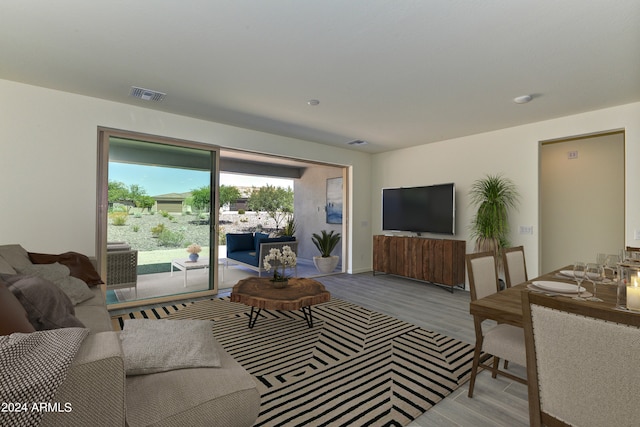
(310, 211)
(48, 162)
(512, 152)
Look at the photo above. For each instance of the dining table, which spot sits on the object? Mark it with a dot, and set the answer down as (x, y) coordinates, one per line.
(506, 306)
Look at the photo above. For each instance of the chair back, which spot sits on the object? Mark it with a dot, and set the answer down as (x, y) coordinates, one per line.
(584, 372)
(483, 274)
(515, 268)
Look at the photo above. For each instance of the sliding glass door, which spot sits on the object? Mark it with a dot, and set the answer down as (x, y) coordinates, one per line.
(157, 216)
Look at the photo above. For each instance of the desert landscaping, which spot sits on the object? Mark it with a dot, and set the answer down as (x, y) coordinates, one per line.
(188, 228)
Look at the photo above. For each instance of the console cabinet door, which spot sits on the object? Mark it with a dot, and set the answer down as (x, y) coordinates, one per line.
(438, 261)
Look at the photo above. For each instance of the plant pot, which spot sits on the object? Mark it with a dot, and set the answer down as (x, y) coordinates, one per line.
(326, 265)
(194, 257)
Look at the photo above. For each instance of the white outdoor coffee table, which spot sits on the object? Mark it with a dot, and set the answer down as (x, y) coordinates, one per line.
(185, 264)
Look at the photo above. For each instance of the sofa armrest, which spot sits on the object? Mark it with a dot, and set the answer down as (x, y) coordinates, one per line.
(265, 247)
(94, 390)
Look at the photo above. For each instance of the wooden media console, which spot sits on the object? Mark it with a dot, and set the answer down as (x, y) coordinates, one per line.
(438, 261)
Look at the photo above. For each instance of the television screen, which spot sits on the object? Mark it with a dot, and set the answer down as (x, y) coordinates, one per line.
(429, 209)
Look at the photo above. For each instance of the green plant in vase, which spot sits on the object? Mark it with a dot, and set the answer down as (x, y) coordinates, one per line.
(326, 242)
(494, 196)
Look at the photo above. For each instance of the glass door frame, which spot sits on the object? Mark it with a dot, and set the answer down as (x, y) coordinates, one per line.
(102, 205)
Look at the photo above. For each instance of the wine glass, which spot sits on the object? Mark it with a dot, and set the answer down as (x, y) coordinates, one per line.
(611, 265)
(594, 273)
(579, 270)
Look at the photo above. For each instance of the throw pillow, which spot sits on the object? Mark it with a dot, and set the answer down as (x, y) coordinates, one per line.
(47, 306)
(257, 239)
(240, 242)
(76, 289)
(163, 345)
(13, 317)
(79, 265)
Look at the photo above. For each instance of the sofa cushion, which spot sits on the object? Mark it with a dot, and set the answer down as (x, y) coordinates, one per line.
(240, 242)
(13, 316)
(223, 397)
(257, 237)
(79, 265)
(94, 318)
(5, 267)
(47, 306)
(247, 257)
(164, 345)
(15, 255)
(76, 289)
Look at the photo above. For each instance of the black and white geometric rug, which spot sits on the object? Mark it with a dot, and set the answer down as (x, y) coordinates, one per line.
(355, 367)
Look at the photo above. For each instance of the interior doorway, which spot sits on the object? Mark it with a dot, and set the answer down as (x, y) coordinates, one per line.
(582, 199)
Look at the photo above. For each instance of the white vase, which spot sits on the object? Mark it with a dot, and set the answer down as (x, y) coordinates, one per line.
(326, 264)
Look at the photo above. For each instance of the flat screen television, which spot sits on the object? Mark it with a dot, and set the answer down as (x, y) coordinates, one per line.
(428, 209)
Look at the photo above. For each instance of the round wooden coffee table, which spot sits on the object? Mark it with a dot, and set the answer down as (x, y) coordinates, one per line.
(299, 294)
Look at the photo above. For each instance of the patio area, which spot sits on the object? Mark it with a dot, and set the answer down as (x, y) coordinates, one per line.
(166, 284)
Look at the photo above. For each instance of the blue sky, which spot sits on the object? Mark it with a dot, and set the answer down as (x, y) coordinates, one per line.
(159, 180)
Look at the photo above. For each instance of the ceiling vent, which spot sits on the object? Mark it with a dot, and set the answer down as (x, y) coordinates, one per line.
(147, 94)
(357, 142)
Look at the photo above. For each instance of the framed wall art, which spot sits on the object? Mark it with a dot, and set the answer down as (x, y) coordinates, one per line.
(334, 201)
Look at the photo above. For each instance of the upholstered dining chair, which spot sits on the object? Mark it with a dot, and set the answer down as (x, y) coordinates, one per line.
(500, 341)
(515, 267)
(585, 372)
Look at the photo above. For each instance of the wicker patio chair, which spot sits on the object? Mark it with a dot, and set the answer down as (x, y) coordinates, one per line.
(122, 269)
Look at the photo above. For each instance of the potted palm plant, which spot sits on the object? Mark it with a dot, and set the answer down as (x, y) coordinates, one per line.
(494, 195)
(326, 243)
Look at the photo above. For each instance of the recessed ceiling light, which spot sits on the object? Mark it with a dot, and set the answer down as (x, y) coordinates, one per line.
(522, 99)
(313, 102)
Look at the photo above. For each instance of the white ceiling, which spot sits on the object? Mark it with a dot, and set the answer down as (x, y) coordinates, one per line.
(396, 73)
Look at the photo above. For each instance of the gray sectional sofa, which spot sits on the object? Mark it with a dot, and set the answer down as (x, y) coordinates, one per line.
(101, 394)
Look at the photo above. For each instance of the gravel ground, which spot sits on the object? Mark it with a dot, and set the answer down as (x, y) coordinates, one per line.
(143, 240)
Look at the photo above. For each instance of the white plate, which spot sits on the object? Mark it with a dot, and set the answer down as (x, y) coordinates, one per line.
(566, 288)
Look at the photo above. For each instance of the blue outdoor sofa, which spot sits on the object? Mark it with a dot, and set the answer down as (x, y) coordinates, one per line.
(249, 249)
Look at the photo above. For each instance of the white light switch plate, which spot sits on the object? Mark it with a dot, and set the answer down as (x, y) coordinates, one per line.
(526, 229)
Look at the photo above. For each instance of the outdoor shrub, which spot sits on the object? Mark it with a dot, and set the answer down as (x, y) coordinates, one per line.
(165, 214)
(243, 219)
(222, 236)
(138, 215)
(170, 238)
(119, 218)
(136, 228)
(241, 211)
(157, 230)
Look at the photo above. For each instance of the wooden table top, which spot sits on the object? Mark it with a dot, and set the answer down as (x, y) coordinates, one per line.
(260, 293)
(506, 306)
